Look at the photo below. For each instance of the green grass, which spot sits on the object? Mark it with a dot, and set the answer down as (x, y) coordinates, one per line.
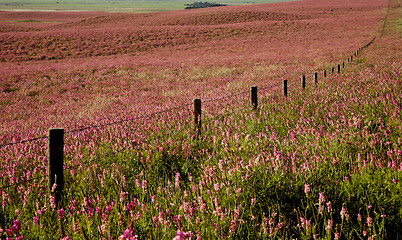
(108, 6)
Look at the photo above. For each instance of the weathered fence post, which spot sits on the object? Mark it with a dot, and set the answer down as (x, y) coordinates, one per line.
(351, 58)
(343, 64)
(254, 98)
(285, 88)
(315, 78)
(303, 82)
(197, 114)
(55, 162)
(325, 73)
(339, 68)
(333, 69)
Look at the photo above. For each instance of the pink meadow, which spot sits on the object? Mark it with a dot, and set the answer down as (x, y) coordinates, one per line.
(322, 163)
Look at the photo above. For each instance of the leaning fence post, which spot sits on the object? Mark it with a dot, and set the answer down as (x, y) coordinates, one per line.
(254, 98)
(315, 78)
(303, 82)
(55, 162)
(285, 88)
(197, 114)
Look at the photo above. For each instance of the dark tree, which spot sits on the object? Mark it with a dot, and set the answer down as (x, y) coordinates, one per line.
(203, 5)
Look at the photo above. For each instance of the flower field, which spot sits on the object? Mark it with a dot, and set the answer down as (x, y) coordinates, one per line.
(322, 163)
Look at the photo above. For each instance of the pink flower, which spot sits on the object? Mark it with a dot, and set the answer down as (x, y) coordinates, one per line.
(216, 187)
(35, 220)
(329, 206)
(177, 180)
(122, 196)
(344, 213)
(52, 202)
(181, 235)
(54, 187)
(144, 185)
(108, 209)
(128, 235)
(329, 225)
(304, 223)
(306, 188)
(61, 213)
(17, 212)
(16, 225)
(190, 177)
(321, 197)
(233, 225)
(336, 236)
(369, 221)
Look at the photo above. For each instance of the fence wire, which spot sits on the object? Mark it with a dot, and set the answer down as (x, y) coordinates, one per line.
(226, 114)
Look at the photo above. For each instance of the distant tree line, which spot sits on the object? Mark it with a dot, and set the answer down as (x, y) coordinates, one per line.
(203, 5)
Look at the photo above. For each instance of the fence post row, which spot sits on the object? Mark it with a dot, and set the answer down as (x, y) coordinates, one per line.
(197, 114)
(56, 135)
(55, 162)
(254, 97)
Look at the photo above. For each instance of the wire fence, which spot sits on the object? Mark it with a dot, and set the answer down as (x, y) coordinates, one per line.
(232, 97)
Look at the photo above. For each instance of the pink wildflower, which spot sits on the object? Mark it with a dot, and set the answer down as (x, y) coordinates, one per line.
(369, 221)
(336, 236)
(306, 188)
(329, 225)
(61, 213)
(181, 235)
(128, 235)
(344, 213)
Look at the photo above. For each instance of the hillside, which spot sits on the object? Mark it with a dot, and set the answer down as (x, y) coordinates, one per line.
(323, 162)
(271, 40)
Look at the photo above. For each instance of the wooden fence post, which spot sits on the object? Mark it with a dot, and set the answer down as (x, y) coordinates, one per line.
(303, 82)
(339, 68)
(285, 88)
(315, 78)
(343, 64)
(254, 97)
(325, 73)
(197, 114)
(55, 162)
(333, 69)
